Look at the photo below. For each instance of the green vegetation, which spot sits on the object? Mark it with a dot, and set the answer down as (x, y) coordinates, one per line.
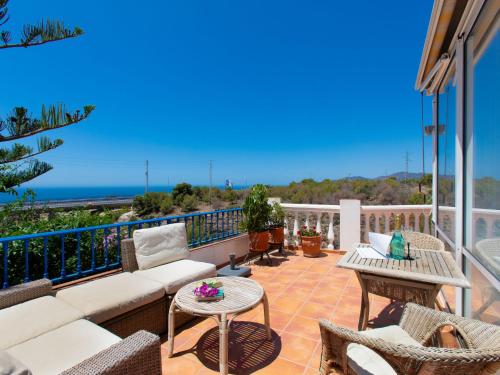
(17, 161)
(153, 203)
(277, 216)
(23, 217)
(383, 192)
(256, 210)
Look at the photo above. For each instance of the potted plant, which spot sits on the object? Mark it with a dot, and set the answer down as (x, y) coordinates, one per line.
(310, 241)
(277, 224)
(256, 213)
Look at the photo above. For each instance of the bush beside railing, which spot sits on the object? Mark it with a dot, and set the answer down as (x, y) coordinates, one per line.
(74, 253)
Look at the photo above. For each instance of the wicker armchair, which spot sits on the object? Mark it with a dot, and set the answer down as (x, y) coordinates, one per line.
(480, 353)
(422, 241)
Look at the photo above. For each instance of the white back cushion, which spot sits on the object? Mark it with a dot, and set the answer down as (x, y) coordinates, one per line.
(160, 245)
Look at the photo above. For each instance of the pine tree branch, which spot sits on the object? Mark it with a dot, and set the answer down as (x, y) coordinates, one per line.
(35, 35)
(20, 125)
(20, 152)
(10, 178)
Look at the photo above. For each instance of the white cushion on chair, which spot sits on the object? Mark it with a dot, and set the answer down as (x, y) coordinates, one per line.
(32, 318)
(63, 348)
(160, 245)
(365, 361)
(175, 275)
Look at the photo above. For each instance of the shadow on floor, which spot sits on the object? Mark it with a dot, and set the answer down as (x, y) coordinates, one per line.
(249, 348)
(390, 315)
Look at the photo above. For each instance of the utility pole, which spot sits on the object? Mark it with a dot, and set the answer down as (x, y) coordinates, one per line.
(210, 182)
(147, 177)
(407, 162)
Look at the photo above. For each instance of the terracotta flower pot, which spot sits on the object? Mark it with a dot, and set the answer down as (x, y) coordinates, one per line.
(277, 235)
(259, 241)
(311, 246)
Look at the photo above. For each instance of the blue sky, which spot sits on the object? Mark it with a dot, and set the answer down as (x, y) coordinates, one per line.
(271, 91)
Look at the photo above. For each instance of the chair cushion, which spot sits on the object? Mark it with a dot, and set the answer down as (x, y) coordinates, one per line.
(32, 318)
(175, 275)
(11, 366)
(365, 361)
(63, 348)
(103, 299)
(160, 245)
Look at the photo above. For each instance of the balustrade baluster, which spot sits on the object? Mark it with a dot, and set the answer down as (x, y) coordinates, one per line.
(45, 258)
(92, 249)
(63, 258)
(26, 261)
(217, 223)
(285, 233)
(118, 244)
(296, 229)
(78, 255)
(5, 265)
(387, 223)
(307, 220)
(318, 223)
(426, 224)
(331, 234)
(106, 247)
(193, 230)
(377, 223)
(407, 220)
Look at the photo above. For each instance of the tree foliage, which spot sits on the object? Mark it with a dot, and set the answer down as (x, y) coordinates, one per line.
(17, 161)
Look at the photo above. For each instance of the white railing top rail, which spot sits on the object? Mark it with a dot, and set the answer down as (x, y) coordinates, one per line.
(336, 208)
(311, 207)
(399, 207)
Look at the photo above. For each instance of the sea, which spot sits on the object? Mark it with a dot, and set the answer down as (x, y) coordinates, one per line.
(52, 194)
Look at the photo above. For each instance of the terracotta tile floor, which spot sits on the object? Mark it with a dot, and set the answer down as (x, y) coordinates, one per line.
(300, 291)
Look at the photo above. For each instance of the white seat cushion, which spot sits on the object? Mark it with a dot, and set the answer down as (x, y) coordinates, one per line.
(63, 348)
(160, 245)
(32, 318)
(367, 362)
(107, 298)
(175, 275)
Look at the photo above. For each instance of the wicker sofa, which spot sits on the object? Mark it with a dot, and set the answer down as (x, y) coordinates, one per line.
(139, 299)
(407, 348)
(44, 335)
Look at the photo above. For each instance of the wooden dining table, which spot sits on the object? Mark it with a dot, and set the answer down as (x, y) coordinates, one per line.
(418, 280)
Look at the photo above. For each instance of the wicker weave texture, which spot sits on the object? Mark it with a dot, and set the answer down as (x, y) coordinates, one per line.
(24, 292)
(129, 261)
(483, 353)
(422, 241)
(151, 317)
(139, 354)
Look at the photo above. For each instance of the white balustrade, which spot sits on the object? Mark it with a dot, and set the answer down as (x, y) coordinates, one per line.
(303, 212)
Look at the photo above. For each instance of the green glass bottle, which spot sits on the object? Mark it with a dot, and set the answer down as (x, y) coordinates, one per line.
(397, 244)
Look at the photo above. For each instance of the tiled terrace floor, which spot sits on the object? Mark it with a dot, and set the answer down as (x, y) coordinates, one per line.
(300, 291)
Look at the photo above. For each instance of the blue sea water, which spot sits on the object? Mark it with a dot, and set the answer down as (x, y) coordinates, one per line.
(44, 194)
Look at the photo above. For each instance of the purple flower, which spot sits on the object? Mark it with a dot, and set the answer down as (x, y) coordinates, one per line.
(205, 291)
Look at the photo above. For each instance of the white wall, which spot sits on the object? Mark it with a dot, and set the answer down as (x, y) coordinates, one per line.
(218, 252)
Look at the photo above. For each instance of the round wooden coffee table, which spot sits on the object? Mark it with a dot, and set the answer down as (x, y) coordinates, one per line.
(240, 295)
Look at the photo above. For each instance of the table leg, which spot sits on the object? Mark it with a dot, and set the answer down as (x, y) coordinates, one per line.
(432, 295)
(267, 321)
(223, 344)
(364, 312)
(171, 328)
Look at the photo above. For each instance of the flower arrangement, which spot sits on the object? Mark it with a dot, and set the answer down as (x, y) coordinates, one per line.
(208, 291)
(308, 232)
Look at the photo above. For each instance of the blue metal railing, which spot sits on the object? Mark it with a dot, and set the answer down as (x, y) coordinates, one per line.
(74, 253)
